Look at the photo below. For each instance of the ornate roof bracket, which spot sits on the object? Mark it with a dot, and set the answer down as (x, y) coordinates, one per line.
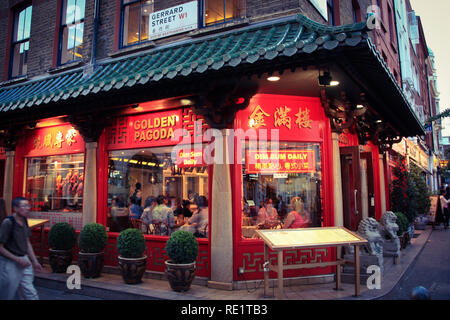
(90, 126)
(10, 136)
(387, 139)
(342, 112)
(219, 103)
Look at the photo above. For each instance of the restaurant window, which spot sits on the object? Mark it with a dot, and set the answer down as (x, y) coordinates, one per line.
(138, 177)
(221, 11)
(135, 21)
(282, 187)
(20, 42)
(71, 32)
(55, 183)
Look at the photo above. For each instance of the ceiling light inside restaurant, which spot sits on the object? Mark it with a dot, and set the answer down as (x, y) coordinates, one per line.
(273, 78)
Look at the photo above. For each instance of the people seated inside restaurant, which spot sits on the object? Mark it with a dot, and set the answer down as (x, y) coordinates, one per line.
(164, 215)
(119, 215)
(198, 223)
(135, 209)
(298, 217)
(147, 214)
(267, 215)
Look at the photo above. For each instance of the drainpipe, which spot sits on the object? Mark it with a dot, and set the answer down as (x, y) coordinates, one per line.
(94, 36)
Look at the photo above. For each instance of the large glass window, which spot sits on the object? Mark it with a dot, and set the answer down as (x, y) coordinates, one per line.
(21, 42)
(136, 178)
(55, 183)
(282, 186)
(135, 21)
(72, 27)
(220, 11)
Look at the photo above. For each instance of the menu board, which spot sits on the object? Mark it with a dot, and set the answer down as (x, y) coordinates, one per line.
(313, 237)
(433, 208)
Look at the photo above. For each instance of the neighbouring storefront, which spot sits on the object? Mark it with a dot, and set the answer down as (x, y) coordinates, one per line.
(49, 171)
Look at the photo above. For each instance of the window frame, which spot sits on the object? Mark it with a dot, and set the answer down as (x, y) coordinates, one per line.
(122, 21)
(16, 14)
(63, 25)
(202, 9)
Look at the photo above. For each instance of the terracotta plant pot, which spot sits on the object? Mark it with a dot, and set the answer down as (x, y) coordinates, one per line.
(91, 264)
(60, 260)
(132, 269)
(180, 276)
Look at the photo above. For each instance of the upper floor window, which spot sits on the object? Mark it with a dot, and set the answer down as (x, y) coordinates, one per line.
(221, 11)
(71, 34)
(135, 21)
(20, 42)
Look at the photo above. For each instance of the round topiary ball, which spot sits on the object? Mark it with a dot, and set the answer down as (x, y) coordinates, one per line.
(182, 247)
(92, 238)
(62, 236)
(131, 243)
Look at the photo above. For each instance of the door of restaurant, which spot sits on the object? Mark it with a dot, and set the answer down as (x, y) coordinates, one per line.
(351, 186)
(367, 186)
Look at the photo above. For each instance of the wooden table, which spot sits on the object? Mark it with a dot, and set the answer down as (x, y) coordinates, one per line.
(36, 223)
(283, 239)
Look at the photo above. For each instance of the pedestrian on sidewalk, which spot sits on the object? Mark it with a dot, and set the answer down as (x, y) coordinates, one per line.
(442, 214)
(17, 258)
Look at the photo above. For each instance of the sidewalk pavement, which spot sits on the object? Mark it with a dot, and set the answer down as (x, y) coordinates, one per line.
(110, 285)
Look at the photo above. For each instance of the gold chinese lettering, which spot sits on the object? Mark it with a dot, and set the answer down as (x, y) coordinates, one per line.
(37, 142)
(70, 137)
(303, 119)
(48, 141)
(282, 118)
(257, 118)
(59, 139)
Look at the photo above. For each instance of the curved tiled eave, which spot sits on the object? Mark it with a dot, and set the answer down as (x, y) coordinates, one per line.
(263, 41)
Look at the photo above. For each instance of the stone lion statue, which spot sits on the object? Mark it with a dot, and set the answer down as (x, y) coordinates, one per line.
(372, 253)
(389, 227)
(388, 230)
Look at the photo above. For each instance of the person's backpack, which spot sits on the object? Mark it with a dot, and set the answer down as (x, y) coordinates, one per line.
(13, 221)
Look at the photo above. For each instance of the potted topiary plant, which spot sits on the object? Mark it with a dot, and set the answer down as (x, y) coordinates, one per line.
(403, 226)
(61, 240)
(182, 249)
(92, 242)
(132, 261)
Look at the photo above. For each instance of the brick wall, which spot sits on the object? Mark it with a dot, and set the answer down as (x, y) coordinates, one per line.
(42, 44)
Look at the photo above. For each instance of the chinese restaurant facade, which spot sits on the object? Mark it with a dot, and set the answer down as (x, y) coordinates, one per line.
(286, 142)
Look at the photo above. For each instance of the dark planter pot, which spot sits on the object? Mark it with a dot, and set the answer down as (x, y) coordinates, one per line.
(91, 264)
(180, 276)
(60, 260)
(132, 269)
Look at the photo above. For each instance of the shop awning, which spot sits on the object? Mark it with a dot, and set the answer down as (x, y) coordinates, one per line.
(261, 43)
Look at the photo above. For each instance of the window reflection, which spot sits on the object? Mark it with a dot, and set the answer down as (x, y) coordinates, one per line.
(21, 43)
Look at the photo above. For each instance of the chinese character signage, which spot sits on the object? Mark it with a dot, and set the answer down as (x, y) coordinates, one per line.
(293, 117)
(54, 140)
(173, 20)
(279, 161)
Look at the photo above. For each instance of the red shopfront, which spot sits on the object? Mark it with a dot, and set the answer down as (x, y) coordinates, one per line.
(298, 166)
(49, 171)
(137, 150)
